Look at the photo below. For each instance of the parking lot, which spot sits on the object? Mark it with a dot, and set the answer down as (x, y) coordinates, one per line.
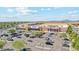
(38, 44)
(49, 41)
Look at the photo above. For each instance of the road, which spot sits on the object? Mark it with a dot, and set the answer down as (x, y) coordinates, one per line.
(58, 44)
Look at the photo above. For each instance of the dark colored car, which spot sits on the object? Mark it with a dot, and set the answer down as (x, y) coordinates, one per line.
(32, 36)
(51, 33)
(18, 36)
(66, 39)
(4, 35)
(41, 37)
(44, 33)
(20, 31)
(30, 41)
(49, 43)
(10, 39)
(48, 40)
(26, 35)
(66, 45)
(26, 49)
(15, 34)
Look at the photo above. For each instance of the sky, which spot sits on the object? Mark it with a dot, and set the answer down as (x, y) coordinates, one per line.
(38, 13)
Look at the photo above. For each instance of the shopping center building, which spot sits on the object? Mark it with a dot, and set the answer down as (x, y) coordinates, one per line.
(54, 26)
(47, 26)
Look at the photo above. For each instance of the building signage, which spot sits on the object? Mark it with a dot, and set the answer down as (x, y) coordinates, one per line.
(35, 27)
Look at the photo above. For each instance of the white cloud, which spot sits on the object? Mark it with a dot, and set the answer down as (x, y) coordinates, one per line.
(48, 9)
(72, 12)
(10, 10)
(57, 7)
(73, 15)
(33, 11)
(42, 9)
(24, 11)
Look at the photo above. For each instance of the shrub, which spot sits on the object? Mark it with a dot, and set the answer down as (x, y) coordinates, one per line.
(37, 33)
(69, 30)
(74, 38)
(18, 44)
(12, 30)
(2, 43)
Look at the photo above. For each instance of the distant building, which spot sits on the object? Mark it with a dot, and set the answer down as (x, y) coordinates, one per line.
(47, 26)
(23, 27)
(54, 26)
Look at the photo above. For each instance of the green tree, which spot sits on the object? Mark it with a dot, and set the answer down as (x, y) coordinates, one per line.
(2, 43)
(37, 33)
(18, 44)
(76, 45)
(12, 30)
(74, 36)
(69, 30)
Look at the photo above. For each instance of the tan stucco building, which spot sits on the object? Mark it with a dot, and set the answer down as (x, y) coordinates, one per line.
(54, 26)
(47, 26)
(23, 27)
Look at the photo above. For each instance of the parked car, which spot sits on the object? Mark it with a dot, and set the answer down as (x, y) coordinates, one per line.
(10, 39)
(20, 32)
(18, 36)
(26, 35)
(1, 35)
(49, 43)
(41, 37)
(51, 33)
(32, 36)
(66, 39)
(26, 49)
(46, 38)
(43, 33)
(8, 49)
(15, 34)
(4, 35)
(29, 40)
(66, 43)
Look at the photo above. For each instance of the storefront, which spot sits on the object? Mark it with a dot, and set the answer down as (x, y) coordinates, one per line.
(22, 27)
(48, 26)
(34, 27)
(54, 26)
